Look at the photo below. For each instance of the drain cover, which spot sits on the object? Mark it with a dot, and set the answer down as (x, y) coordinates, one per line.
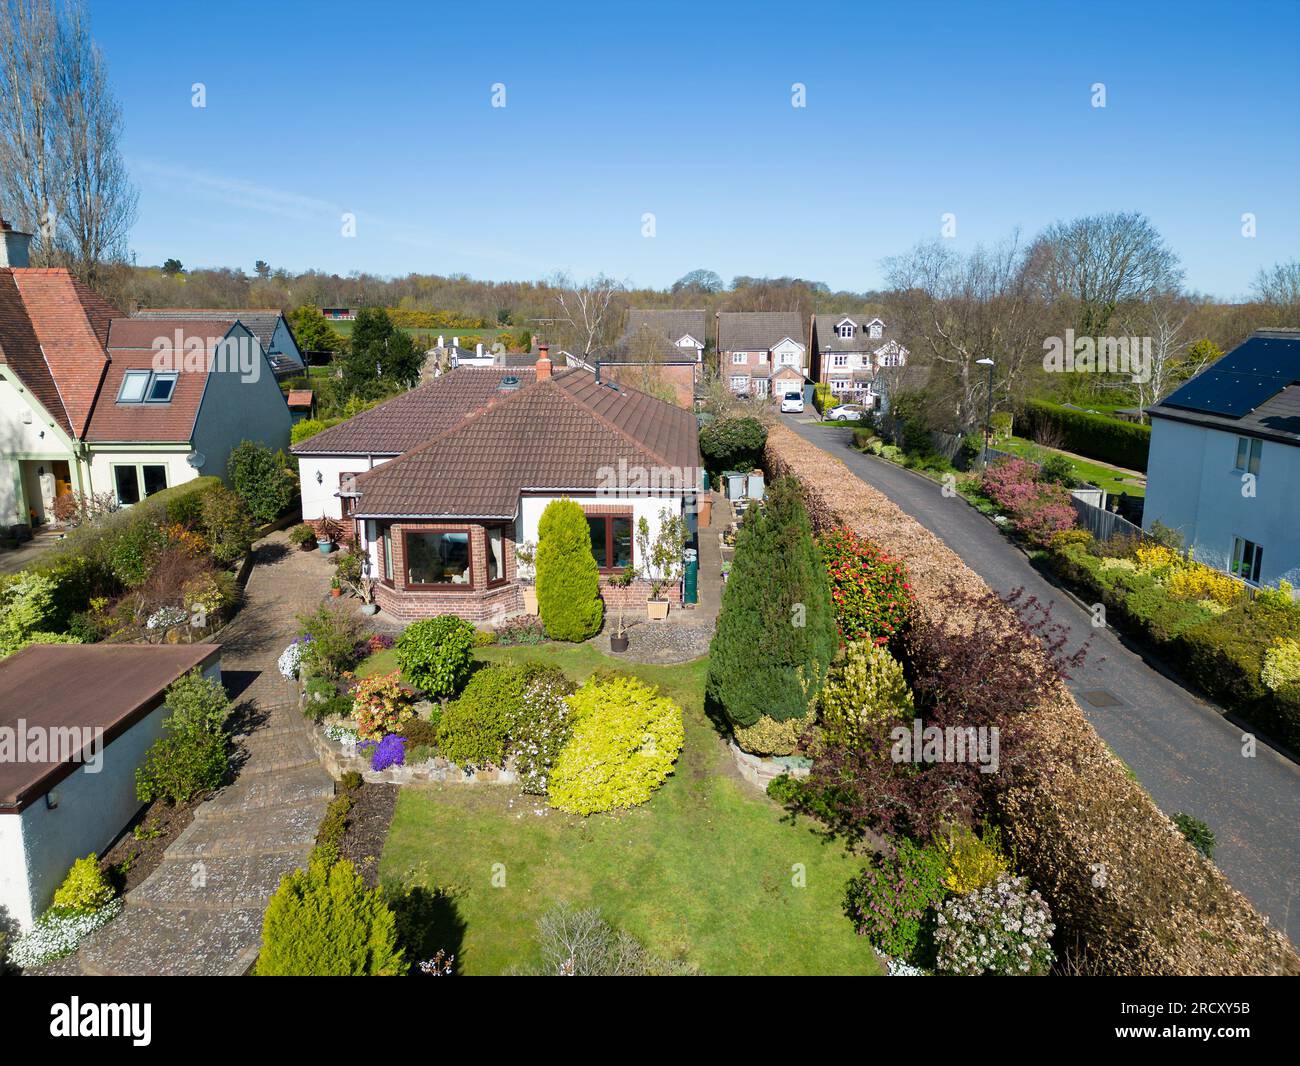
(1099, 697)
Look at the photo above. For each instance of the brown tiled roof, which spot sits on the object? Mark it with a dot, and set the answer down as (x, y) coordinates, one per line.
(300, 398)
(131, 347)
(861, 341)
(106, 686)
(70, 324)
(400, 424)
(672, 323)
(558, 434)
(752, 331)
(20, 351)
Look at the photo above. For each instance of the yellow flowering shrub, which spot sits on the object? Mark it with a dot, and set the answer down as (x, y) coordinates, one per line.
(626, 738)
(85, 889)
(971, 863)
(380, 704)
(1152, 558)
(770, 737)
(1197, 582)
(1281, 664)
(1116, 563)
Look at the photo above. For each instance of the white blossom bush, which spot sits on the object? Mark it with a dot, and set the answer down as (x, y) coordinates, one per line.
(899, 968)
(542, 723)
(166, 617)
(1004, 929)
(57, 933)
(290, 661)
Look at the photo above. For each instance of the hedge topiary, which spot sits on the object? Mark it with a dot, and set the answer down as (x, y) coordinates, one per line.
(776, 633)
(324, 922)
(769, 737)
(85, 889)
(262, 479)
(1096, 436)
(435, 654)
(626, 738)
(473, 729)
(568, 580)
(732, 444)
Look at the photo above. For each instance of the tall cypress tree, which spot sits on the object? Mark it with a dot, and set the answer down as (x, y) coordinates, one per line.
(776, 633)
(568, 580)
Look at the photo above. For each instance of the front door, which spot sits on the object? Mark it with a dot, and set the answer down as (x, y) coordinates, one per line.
(62, 478)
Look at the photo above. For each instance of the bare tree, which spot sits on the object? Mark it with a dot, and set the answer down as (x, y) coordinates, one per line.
(955, 309)
(589, 308)
(60, 129)
(1279, 285)
(1101, 261)
(1163, 318)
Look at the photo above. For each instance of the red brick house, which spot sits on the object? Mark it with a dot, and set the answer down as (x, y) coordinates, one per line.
(853, 354)
(763, 353)
(439, 521)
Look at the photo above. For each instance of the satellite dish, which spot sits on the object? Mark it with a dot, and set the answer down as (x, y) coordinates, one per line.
(196, 460)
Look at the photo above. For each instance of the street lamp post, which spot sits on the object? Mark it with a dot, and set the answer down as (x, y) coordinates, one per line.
(988, 422)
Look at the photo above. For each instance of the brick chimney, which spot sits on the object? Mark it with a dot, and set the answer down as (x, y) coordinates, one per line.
(13, 246)
(543, 362)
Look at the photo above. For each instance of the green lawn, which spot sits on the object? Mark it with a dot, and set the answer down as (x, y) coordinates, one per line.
(1106, 477)
(706, 871)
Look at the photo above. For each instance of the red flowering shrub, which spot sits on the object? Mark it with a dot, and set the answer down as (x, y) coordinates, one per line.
(869, 589)
(1038, 508)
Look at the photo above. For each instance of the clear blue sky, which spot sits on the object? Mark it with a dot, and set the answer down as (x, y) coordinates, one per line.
(684, 111)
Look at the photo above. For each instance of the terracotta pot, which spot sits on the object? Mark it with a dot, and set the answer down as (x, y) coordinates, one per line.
(336, 593)
(656, 610)
(530, 600)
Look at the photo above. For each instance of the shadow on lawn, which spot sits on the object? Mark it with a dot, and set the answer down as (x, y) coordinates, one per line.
(428, 921)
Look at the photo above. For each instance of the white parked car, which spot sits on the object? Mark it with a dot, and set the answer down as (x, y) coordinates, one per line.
(792, 405)
(846, 412)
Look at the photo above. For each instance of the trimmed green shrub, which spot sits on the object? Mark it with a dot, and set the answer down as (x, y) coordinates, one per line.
(865, 686)
(625, 740)
(435, 654)
(262, 479)
(134, 552)
(192, 756)
(732, 444)
(227, 525)
(324, 922)
(776, 633)
(26, 609)
(303, 535)
(1097, 436)
(770, 737)
(85, 889)
(568, 580)
(473, 729)
(335, 644)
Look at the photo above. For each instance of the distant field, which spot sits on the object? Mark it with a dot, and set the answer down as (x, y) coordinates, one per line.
(485, 335)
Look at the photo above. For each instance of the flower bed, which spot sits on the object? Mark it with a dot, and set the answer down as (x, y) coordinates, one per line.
(1073, 810)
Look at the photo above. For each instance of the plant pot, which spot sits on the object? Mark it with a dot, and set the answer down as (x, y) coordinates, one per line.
(656, 610)
(335, 593)
(369, 608)
(530, 600)
(325, 546)
(618, 642)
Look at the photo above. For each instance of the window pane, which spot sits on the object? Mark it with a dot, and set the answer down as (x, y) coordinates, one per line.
(1242, 446)
(598, 546)
(622, 541)
(1256, 447)
(496, 563)
(133, 385)
(388, 554)
(128, 487)
(160, 389)
(155, 479)
(437, 558)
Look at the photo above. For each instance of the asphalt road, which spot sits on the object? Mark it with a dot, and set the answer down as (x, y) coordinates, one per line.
(1185, 753)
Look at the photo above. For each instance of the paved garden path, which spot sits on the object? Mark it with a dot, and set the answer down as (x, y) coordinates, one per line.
(200, 912)
(1184, 751)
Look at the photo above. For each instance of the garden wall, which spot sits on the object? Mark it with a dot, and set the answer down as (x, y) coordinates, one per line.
(1123, 883)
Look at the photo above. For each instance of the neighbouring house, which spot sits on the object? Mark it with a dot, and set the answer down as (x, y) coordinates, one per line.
(441, 484)
(301, 403)
(339, 314)
(268, 324)
(75, 722)
(855, 357)
(763, 353)
(686, 330)
(94, 402)
(647, 360)
(1224, 464)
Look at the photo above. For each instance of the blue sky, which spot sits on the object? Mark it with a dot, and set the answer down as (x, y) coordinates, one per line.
(684, 111)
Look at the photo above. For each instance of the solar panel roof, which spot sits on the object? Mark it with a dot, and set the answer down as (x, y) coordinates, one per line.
(1243, 379)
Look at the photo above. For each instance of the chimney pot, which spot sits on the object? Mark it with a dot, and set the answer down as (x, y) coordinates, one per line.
(543, 362)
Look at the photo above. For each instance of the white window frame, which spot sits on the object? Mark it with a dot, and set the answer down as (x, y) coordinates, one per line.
(1247, 559)
(739, 358)
(877, 331)
(845, 331)
(1249, 452)
(137, 396)
(739, 383)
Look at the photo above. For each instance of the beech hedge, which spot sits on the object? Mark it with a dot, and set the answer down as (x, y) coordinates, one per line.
(1107, 440)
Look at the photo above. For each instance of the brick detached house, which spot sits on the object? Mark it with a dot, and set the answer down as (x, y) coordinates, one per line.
(763, 353)
(849, 354)
(646, 359)
(441, 484)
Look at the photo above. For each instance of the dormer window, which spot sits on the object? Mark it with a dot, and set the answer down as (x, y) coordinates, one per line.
(845, 330)
(144, 386)
(876, 330)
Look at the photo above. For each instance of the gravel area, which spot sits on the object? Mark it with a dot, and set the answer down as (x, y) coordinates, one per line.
(660, 642)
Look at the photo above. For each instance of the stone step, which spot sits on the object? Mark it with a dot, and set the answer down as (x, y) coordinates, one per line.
(267, 830)
(153, 941)
(257, 791)
(231, 882)
(266, 754)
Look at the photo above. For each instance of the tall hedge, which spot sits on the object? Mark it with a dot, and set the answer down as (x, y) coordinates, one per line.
(568, 580)
(776, 633)
(1099, 437)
